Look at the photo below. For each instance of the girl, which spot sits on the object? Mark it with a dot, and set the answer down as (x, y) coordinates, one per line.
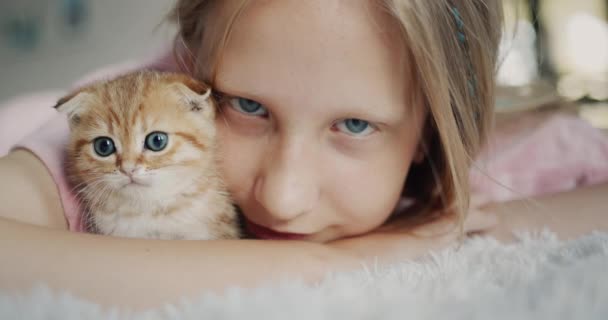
(346, 126)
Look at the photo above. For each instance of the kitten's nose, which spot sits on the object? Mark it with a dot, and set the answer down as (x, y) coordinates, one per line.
(128, 170)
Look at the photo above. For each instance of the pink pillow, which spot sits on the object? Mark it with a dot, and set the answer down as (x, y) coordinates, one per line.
(539, 154)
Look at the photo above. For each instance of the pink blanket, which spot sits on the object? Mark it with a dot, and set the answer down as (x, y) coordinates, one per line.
(539, 153)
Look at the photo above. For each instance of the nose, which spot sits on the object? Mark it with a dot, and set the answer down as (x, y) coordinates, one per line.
(128, 168)
(286, 187)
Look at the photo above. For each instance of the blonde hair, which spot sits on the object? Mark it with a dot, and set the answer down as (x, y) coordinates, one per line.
(453, 46)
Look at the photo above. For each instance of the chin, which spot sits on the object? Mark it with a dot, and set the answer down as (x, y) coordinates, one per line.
(131, 190)
(264, 233)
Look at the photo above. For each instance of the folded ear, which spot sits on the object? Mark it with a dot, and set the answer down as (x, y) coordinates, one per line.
(73, 105)
(196, 95)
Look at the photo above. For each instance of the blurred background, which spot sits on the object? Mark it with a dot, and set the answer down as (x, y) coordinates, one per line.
(49, 44)
(552, 50)
(555, 50)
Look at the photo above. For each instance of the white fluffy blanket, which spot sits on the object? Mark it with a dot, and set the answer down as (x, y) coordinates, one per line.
(536, 278)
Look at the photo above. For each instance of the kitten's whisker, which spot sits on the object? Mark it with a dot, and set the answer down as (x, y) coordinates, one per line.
(83, 186)
(86, 184)
(86, 193)
(105, 193)
(95, 201)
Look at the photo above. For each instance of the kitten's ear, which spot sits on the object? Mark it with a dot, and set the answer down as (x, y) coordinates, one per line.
(73, 105)
(197, 95)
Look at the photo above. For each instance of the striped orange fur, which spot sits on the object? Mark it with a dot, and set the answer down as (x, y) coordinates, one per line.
(135, 191)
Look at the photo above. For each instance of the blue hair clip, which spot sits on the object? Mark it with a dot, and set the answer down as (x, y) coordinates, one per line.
(459, 24)
(462, 39)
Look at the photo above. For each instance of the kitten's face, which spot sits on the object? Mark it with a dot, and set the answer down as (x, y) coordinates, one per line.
(143, 137)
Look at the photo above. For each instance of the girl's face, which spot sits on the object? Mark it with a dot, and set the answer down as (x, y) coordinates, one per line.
(318, 128)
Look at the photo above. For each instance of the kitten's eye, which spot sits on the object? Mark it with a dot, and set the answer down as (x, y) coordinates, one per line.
(156, 141)
(248, 107)
(355, 127)
(103, 146)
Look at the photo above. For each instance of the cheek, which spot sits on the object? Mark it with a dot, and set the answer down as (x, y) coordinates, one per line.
(91, 168)
(176, 166)
(168, 181)
(99, 176)
(239, 160)
(364, 192)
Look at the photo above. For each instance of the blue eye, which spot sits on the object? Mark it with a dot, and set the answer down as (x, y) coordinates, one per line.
(156, 141)
(104, 146)
(355, 127)
(248, 107)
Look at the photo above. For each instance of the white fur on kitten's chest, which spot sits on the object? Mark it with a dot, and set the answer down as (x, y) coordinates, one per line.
(206, 216)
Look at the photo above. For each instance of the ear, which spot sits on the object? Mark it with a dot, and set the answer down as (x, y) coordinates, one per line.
(196, 95)
(73, 105)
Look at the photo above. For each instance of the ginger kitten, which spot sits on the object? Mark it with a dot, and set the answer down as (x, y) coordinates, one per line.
(142, 158)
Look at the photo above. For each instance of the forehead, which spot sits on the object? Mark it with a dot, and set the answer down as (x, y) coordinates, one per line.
(319, 49)
(127, 98)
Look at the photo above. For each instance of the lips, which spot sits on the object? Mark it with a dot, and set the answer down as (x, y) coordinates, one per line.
(269, 234)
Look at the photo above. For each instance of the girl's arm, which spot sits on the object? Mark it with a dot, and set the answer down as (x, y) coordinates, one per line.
(568, 214)
(28, 193)
(145, 273)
